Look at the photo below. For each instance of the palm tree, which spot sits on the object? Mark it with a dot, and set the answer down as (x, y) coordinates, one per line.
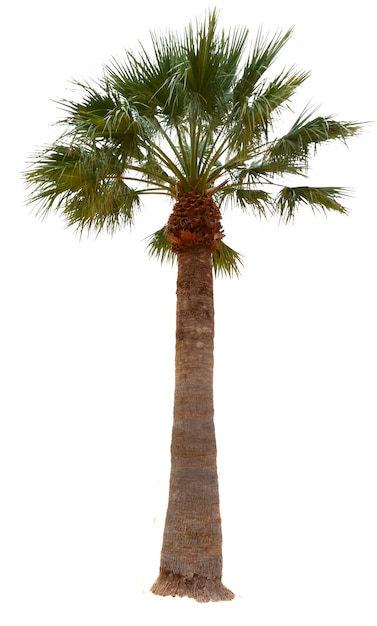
(193, 118)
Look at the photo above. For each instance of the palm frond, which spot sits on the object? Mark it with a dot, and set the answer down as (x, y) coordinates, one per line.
(158, 247)
(258, 114)
(258, 201)
(152, 85)
(324, 199)
(86, 185)
(310, 132)
(264, 53)
(213, 60)
(225, 260)
(263, 171)
(101, 117)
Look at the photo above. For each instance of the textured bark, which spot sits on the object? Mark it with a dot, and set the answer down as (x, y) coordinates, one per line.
(195, 221)
(191, 556)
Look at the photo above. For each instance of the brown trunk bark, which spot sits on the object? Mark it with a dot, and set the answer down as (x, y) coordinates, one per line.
(191, 556)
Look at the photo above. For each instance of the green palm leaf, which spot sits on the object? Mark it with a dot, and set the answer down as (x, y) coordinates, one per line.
(226, 261)
(213, 59)
(151, 85)
(86, 185)
(318, 198)
(308, 133)
(159, 247)
(265, 52)
(258, 200)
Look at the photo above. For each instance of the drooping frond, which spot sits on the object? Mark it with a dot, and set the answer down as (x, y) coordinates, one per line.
(159, 247)
(226, 261)
(85, 185)
(323, 199)
(258, 201)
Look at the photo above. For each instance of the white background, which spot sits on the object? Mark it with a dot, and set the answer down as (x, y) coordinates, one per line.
(87, 355)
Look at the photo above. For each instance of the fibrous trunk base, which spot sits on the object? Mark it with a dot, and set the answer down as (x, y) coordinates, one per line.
(199, 588)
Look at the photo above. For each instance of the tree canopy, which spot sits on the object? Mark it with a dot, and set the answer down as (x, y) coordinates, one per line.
(199, 110)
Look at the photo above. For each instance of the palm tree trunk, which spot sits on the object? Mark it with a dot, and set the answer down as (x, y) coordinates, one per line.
(191, 556)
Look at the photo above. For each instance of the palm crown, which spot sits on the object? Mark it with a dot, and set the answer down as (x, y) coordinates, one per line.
(196, 113)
